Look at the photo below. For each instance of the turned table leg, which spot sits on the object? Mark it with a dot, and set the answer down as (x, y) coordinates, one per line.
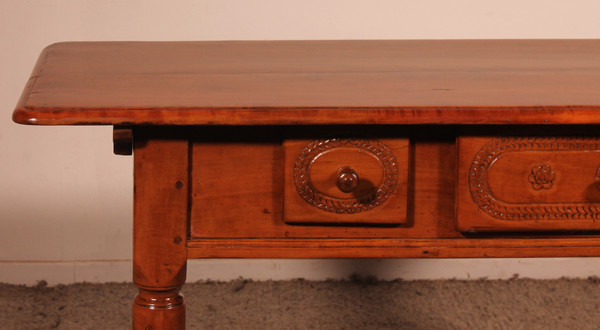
(160, 227)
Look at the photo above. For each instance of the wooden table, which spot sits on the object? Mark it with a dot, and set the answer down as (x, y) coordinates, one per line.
(337, 149)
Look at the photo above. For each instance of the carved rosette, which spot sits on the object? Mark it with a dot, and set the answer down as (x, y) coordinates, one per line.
(541, 178)
(345, 205)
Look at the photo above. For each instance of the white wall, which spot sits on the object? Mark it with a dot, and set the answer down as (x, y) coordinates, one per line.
(65, 199)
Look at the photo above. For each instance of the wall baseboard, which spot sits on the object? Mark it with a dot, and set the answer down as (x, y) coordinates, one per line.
(68, 272)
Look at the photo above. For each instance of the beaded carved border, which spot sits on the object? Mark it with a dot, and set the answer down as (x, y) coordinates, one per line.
(345, 205)
(494, 207)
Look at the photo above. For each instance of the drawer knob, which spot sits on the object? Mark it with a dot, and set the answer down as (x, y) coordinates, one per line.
(347, 179)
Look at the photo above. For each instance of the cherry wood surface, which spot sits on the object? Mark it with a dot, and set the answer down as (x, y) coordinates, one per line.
(315, 82)
(237, 202)
(525, 182)
(160, 229)
(314, 169)
(217, 129)
(487, 247)
(238, 187)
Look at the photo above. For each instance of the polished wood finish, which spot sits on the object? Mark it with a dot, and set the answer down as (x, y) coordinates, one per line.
(238, 186)
(160, 229)
(529, 182)
(315, 82)
(379, 167)
(237, 146)
(507, 246)
(346, 179)
(221, 228)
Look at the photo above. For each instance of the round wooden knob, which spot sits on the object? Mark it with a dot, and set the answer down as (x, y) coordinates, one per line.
(347, 179)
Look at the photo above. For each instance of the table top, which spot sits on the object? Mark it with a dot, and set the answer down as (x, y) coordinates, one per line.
(315, 82)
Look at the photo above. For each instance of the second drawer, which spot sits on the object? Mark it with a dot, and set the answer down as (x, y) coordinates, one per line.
(528, 182)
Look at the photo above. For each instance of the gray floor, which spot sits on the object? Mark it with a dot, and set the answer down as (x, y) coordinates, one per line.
(353, 304)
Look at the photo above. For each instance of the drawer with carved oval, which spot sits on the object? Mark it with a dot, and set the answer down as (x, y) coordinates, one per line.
(346, 180)
(528, 183)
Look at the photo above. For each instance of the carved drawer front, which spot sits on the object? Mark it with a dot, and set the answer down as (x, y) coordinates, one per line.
(528, 183)
(346, 180)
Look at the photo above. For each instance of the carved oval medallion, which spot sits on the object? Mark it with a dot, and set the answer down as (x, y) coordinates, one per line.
(572, 201)
(367, 195)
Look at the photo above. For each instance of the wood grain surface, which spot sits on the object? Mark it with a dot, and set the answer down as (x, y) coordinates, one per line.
(312, 166)
(488, 247)
(315, 82)
(203, 191)
(238, 186)
(528, 180)
(160, 229)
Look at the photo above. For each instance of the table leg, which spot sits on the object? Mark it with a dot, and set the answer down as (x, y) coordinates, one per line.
(160, 231)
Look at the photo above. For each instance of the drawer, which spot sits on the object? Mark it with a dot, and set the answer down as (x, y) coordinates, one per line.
(346, 179)
(239, 176)
(528, 183)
